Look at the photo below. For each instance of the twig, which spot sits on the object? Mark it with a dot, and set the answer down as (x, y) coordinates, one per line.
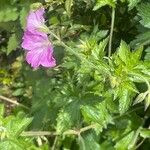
(111, 31)
(12, 101)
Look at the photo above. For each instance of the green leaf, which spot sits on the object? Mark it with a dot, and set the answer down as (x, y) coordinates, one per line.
(10, 129)
(124, 100)
(23, 15)
(133, 3)
(10, 145)
(63, 122)
(134, 139)
(12, 43)
(144, 13)
(101, 3)
(98, 114)
(54, 20)
(74, 113)
(16, 125)
(18, 92)
(8, 14)
(90, 142)
(125, 131)
(125, 141)
(81, 143)
(106, 145)
(1, 110)
(124, 52)
(140, 97)
(127, 60)
(98, 34)
(147, 55)
(98, 50)
(43, 107)
(21, 143)
(68, 6)
(137, 54)
(141, 39)
(145, 133)
(147, 101)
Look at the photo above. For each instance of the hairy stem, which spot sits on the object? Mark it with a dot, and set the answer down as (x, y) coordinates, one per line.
(70, 132)
(47, 133)
(87, 128)
(101, 69)
(111, 31)
(39, 133)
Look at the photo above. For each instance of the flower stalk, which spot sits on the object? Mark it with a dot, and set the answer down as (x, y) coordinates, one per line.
(101, 69)
(111, 32)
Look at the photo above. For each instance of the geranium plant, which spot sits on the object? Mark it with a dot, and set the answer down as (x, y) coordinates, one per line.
(75, 74)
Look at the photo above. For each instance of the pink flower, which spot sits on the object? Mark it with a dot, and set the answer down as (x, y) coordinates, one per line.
(39, 49)
(36, 21)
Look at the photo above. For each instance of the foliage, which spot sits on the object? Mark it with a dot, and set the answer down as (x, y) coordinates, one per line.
(144, 13)
(89, 100)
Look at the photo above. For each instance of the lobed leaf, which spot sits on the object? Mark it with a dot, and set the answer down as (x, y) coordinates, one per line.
(144, 13)
(101, 3)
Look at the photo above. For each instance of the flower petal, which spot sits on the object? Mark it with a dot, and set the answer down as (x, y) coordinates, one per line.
(35, 20)
(33, 41)
(47, 59)
(41, 57)
(33, 58)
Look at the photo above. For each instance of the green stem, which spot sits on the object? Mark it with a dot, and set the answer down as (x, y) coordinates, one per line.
(64, 45)
(111, 31)
(47, 133)
(71, 132)
(87, 128)
(101, 69)
(55, 143)
(39, 133)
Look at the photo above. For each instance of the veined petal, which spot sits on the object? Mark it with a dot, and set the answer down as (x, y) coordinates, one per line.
(42, 57)
(47, 59)
(33, 41)
(33, 58)
(35, 20)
